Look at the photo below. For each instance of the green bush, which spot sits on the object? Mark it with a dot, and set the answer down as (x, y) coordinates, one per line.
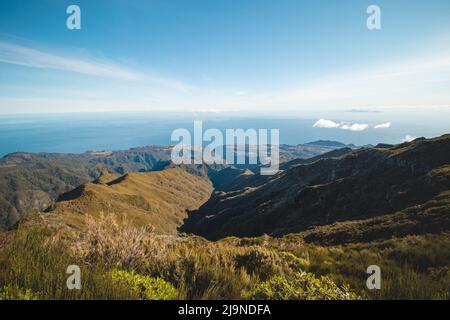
(33, 267)
(13, 293)
(302, 286)
(252, 241)
(147, 288)
(294, 262)
(261, 262)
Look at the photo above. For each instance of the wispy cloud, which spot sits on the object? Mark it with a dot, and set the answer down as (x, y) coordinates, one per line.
(11, 53)
(324, 123)
(383, 125)
(415, 83)
(363, 111)
(214, 110)
(29, 57)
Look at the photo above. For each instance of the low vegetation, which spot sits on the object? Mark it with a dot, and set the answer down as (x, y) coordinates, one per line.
(146, 287)
(301, 286)
(121, 261)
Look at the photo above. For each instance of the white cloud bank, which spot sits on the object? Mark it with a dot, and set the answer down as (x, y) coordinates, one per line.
(324, 123)
(409, 138)
(383, 125)
(355, 126)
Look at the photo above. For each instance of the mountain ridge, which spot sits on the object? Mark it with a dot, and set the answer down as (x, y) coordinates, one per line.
(363, 184)
(160, 199)
(32, 182)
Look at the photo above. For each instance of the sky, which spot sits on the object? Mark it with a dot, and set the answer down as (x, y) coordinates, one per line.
(315, 58)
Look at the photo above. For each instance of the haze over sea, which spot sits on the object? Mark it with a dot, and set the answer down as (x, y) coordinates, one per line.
(79, 132)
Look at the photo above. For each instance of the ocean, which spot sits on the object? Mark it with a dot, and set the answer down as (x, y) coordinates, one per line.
(79, 132)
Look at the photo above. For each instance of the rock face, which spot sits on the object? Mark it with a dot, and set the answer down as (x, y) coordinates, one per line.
(361, 185)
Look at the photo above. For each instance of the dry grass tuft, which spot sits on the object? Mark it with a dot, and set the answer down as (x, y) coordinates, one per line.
(114, 242)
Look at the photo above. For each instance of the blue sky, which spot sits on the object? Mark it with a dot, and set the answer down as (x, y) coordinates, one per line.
(284, 57)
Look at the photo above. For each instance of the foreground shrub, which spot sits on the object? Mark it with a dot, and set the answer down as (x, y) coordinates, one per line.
(13, 293)
(146, 288)
(115, 243)
(294, 262)
(204, 270)
(413, 267)
(31, 267)
(260, 261)
(302, 286)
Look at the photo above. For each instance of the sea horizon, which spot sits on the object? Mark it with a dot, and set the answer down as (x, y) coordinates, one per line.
(96, 131)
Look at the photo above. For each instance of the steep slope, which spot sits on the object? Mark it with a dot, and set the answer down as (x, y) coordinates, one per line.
(310, 149)
(432, 217)
(331, 154)
(30, 182)
(234, 179)
(160, 199)
(364, 184)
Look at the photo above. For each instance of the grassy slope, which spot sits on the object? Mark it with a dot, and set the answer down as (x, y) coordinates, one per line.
(31, 182)
(160, 199)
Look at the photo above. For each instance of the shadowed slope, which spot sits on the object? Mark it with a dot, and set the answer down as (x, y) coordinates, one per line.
(364, 184)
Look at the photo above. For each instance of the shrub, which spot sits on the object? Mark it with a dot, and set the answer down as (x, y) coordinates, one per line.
(14, 293)
(31, 267)
(146, 288)
(261, 262)
(302, 286)
(114, 243)
(294, 262)
(193, 268)
(252, 241)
